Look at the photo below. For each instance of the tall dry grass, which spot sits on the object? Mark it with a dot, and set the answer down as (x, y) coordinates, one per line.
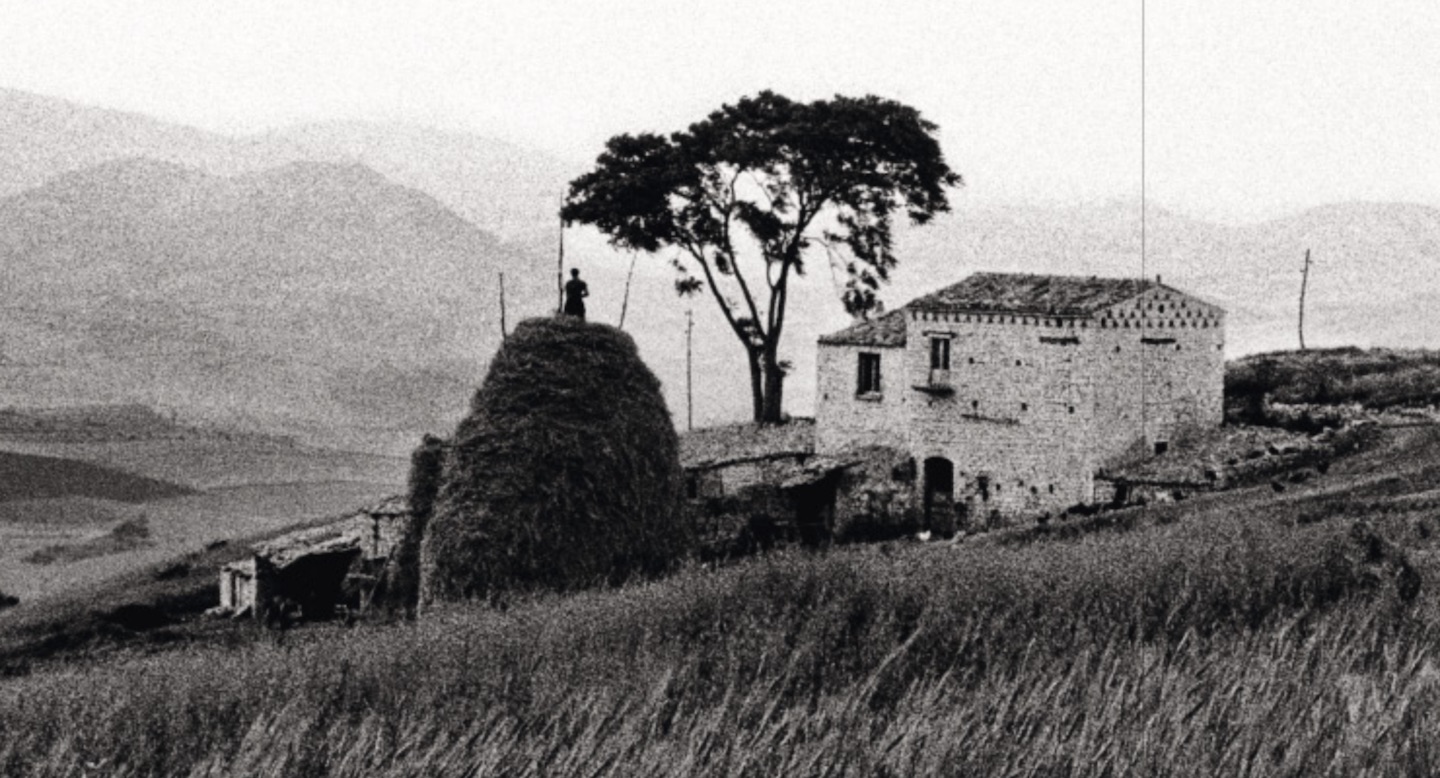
(1236, 646)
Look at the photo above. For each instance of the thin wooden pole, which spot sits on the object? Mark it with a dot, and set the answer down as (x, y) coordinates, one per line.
(503, 334)
(689, 373)
(1304, 281)
(625, 302)
(560, 272)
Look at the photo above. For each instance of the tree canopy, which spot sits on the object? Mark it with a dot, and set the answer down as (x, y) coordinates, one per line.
(747, 193)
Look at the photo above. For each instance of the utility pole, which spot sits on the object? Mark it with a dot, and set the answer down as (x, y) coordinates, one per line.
(1304, 280)
(689, 374)
(625, 301)
(502, 307)
(560, 270)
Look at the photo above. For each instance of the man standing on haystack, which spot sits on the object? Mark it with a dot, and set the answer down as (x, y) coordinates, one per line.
(575, 293)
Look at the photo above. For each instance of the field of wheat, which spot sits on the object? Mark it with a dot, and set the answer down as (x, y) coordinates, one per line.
(1220, 640)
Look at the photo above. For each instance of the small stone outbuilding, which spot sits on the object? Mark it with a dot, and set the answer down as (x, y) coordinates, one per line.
(312, 571)
(752, 484)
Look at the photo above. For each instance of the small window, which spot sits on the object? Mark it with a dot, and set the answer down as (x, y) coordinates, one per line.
(970, 361)
(869, 378)
(1161, 446)
(939, 353)
(1024, 406)
(975, 405)
(1072, 409)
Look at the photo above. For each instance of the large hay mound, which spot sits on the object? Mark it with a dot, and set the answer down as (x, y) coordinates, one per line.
(565, 474)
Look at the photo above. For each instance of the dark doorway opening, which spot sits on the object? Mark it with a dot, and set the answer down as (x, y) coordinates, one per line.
(940, 495)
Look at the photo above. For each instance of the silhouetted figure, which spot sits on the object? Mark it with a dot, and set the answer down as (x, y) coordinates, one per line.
(575, 293)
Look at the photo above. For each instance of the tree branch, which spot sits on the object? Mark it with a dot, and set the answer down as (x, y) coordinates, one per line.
(780, 291)
(699, 256)
(728, 246)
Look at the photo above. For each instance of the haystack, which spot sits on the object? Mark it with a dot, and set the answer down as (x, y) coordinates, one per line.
(565, 474)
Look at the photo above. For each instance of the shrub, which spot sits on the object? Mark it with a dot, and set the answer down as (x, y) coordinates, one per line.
(566, 472)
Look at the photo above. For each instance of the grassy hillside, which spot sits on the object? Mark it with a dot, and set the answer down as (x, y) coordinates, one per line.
(25, 477)
(1377, 379)
(93, 621)
(77, 483)
(1245, 632)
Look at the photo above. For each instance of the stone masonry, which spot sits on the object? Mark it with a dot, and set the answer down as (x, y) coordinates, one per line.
(1011, 391)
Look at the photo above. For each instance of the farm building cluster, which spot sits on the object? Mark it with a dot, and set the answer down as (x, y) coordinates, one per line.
(1001, 398)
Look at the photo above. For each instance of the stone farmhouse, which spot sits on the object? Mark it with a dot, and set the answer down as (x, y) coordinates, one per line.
(1011, 391)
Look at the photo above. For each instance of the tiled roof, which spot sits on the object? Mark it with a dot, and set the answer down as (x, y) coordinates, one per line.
(714, 446)
(887, 330)
(1019, 293)
(1033, 294)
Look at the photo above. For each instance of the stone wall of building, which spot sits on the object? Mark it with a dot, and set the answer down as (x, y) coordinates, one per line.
(845, 419)
(1163, 353)
(1015, 423)
(1032, 406)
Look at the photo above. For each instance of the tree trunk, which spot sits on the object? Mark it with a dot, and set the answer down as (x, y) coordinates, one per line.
(774, 388)
(757, 392)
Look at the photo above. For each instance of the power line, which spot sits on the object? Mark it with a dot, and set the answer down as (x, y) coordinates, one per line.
(1144, 274)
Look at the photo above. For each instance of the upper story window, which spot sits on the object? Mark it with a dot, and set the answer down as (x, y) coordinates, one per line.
(939, 353)
(869, 374)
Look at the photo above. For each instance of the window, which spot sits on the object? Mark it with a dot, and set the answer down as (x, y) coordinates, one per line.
(869, 379)
(1161, 446)
(939, 353)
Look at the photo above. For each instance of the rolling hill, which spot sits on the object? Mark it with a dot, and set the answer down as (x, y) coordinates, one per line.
(301, 299)
(26, 477)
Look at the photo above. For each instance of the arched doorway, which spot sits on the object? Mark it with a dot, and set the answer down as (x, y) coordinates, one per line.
(939, 495)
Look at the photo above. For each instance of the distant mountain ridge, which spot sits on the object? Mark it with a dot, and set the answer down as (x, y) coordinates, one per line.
(269, 297)
(341, 278)
(501, 188)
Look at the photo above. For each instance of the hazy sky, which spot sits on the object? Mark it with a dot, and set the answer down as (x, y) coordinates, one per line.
(1252, 108)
